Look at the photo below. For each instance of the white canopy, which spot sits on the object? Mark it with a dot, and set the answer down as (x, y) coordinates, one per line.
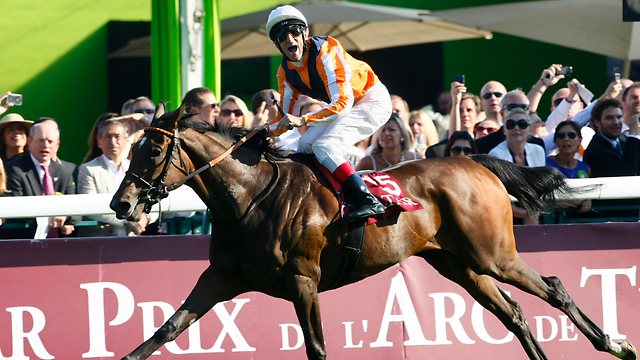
(590, 25)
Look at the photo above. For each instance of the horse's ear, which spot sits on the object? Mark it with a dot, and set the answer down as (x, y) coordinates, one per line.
(160, 110)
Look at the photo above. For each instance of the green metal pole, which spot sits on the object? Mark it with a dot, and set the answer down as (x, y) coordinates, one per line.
(211, 47)
(165, 52)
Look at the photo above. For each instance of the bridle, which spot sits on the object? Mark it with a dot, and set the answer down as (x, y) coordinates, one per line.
(156, 189)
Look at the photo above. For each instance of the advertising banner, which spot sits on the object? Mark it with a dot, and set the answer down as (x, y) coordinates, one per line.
(99, 298)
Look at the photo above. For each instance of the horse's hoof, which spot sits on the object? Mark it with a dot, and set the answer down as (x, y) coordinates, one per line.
(629, 351)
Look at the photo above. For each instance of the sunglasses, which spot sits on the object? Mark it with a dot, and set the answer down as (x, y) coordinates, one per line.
(489, 130)
(213, 106)
(522, 124)
(145, 111)
(228, 112)
(456, 150)
(568, 134)
(295, 30)
(510, 107)
(488, 95)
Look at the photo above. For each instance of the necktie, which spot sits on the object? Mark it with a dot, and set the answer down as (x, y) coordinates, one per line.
(47, 182)
(618, 147)
(48, 189)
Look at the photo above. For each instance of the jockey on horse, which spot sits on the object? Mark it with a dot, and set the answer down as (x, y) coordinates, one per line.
(356, 102)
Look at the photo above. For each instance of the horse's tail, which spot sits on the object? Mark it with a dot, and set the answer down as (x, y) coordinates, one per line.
(534, 187)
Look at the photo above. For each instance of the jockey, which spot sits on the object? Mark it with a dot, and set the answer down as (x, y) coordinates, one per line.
(356, 103)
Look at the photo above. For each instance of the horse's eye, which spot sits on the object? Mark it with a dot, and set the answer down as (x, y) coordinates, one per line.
(156, 152)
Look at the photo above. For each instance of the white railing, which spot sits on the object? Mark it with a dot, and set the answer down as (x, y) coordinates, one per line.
(182, 199)
(185, 199)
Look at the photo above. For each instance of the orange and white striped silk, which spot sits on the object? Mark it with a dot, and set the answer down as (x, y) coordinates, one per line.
(344, 80)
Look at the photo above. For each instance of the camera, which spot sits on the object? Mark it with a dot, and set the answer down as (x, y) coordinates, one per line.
(460, 78)
(14, 99)
(616, 76)
(566, 70)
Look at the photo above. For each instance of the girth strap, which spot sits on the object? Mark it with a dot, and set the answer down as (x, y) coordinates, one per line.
(351, 252)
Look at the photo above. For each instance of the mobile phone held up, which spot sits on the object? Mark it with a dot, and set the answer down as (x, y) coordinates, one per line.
(460, 78)
(14, 99)
(566, 70)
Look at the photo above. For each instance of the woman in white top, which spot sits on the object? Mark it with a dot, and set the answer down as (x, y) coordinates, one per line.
(393, 146)
(515, 148)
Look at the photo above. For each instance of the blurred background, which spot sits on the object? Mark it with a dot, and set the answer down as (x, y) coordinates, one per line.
(75, 59)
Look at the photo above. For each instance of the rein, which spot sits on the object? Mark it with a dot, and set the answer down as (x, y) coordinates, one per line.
(213, 162)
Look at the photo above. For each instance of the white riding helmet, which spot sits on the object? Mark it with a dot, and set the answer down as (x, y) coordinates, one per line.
(283, 16)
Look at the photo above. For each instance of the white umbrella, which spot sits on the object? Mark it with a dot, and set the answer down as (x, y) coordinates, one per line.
(357, 26)
(591, 25)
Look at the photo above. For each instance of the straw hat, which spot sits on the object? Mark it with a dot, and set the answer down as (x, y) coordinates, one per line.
(14, 118)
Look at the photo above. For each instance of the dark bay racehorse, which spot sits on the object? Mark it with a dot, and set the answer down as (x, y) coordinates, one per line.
(277, 229)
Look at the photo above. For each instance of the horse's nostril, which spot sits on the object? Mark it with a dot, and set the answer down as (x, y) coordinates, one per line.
(121, 208)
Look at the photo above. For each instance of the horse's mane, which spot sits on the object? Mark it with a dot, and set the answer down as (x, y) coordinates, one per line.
(199, 126)
(259, 143)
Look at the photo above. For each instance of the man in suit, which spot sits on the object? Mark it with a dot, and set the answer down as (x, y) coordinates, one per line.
(104, 174)
(610, 153)
(39, 172)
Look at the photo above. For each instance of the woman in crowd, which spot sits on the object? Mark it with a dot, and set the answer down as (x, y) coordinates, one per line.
(460, 144)
(423, 130)
(234, 113)
(567, 138)
(517, 150)
(515, 147)
(392, 147)
(14, 133)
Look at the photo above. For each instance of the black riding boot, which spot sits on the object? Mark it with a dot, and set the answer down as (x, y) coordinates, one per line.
(361, 203)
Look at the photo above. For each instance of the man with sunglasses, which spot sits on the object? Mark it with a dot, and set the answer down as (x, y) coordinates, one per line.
(202, 104)
(145, 106)
(512, 100)
(356, 103)
(490, 95)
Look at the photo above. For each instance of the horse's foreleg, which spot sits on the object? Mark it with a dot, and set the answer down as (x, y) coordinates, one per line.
(550, 289)
(304, 295)
(486, 292)
(202, 299)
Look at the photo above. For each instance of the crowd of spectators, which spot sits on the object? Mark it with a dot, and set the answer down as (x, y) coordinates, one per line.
(582, 137)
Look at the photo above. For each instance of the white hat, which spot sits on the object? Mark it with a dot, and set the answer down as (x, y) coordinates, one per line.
(16, 119)
(283, 16)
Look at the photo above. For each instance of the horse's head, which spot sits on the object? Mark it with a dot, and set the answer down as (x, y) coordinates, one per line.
(153, 165)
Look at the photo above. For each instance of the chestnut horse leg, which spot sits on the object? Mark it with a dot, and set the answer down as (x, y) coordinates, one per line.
(485, 291)
(210, 289)
(550, 289)
(304, 295)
